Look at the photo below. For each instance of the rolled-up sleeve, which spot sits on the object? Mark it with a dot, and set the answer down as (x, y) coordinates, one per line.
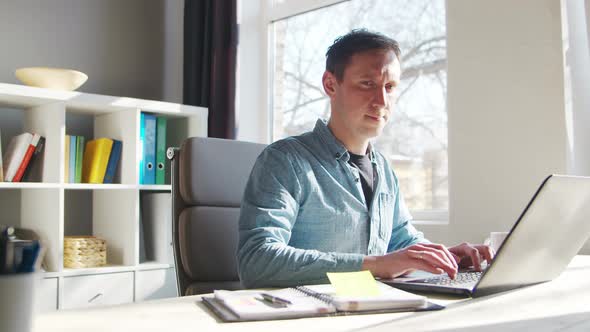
(268, 214)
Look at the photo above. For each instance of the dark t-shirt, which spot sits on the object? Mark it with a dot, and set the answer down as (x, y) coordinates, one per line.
(365, 167)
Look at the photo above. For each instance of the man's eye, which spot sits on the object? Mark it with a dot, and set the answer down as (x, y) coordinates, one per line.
(367, 83)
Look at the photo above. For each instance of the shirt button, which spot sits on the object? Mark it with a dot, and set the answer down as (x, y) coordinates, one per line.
(337, 155)
(356, 180)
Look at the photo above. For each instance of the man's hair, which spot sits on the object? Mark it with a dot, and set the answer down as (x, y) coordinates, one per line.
(356, 41)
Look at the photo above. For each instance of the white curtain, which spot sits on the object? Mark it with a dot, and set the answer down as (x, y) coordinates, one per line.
(576, 39)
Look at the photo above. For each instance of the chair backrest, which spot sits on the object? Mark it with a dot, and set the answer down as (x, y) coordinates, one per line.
(209, 176)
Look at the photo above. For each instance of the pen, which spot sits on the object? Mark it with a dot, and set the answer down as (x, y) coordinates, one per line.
(274, 299)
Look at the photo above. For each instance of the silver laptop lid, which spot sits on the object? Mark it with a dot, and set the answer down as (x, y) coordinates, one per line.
(548, 234)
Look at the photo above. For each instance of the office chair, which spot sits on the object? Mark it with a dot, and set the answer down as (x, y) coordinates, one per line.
(209, 176)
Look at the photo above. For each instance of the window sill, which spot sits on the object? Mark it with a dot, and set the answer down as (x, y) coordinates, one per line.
(430, 217)
(430, 222)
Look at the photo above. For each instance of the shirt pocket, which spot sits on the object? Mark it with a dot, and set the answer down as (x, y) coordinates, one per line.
(385, 216)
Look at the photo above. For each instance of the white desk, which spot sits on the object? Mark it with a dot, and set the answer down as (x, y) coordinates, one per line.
(560, 305)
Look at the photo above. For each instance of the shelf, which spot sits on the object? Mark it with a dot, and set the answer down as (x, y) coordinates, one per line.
(20, 95)
(29, 185)
(81, 186)
(100, 186)
(138, 247)
(166, 187)
(95, 270)
(153, 266)
(67, 272)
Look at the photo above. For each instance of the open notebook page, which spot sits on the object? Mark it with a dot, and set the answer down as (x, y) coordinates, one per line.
(249, 305)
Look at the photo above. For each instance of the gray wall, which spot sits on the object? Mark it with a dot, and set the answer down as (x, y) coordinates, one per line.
(123, 46)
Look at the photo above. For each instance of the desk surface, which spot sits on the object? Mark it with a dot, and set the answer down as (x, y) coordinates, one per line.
(560, 305)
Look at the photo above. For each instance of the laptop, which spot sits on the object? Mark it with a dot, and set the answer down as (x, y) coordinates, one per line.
(548, 234)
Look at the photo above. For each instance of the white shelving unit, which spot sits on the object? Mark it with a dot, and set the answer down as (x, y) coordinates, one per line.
(54, 208)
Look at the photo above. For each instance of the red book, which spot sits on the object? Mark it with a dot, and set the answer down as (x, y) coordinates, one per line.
(23, 165)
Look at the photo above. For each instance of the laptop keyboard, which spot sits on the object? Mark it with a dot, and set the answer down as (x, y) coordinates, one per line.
(462, 278)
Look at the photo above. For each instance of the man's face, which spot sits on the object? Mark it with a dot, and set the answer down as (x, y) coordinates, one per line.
(363, 100)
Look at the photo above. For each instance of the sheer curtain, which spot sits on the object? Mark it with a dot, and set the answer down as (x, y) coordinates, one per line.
(576, 39)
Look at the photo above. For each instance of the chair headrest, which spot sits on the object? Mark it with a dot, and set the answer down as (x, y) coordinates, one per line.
(215, 171)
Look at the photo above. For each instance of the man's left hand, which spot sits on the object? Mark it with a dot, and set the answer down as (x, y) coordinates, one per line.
(468, 255)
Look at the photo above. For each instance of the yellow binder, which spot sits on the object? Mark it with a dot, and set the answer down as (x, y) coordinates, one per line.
(96, 158)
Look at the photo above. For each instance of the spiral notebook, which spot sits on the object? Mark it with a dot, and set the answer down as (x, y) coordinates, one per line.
(311, 301)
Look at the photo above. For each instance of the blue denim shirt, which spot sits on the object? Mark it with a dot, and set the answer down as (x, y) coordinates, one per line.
(304, 214)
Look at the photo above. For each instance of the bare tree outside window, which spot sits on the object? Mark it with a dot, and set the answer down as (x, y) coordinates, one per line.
(415, 140)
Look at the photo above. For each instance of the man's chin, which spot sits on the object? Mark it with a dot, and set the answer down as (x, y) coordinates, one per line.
(373, 132)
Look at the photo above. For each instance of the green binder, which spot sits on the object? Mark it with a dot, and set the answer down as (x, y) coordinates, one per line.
(79, 157)
(161, 150)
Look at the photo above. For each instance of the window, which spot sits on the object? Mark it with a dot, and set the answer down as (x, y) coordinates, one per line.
(415, 140)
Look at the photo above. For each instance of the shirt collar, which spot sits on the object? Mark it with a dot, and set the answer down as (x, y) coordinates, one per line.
(336, 148)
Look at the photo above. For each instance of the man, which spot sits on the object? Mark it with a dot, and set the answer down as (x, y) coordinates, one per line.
(326, 201)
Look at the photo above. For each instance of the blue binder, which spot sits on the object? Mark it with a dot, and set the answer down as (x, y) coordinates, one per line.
(72, 164)
(141, 141)
(148, 165)
(113, 161)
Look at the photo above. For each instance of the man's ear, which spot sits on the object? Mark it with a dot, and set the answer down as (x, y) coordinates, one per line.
(329, 82)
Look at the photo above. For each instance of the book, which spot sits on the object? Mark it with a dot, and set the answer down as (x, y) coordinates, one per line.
(27, 158)
(34, 172)
(310, 301)
(161, 149)
(114, 157)
(14, 154)
(148, 142)
(96, 158)
(79, 159)
(67, 160)
(72, 162)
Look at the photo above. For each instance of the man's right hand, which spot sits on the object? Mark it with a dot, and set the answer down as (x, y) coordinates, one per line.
(433, 258)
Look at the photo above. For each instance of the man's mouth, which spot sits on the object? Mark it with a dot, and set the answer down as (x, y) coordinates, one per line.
(377, 117)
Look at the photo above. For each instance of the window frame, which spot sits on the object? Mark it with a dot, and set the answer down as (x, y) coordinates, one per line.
(291, 8)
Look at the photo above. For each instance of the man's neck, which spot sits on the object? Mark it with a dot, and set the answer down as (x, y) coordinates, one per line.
(352, 144)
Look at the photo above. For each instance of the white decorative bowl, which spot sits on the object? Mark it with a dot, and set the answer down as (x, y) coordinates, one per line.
(51, 78)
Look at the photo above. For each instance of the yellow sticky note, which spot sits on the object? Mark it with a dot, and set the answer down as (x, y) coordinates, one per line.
(360, 283)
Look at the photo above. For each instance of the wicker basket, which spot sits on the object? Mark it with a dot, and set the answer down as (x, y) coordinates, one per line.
(84, 251)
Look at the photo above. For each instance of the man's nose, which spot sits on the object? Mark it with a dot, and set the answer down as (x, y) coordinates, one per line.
(380, 97)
